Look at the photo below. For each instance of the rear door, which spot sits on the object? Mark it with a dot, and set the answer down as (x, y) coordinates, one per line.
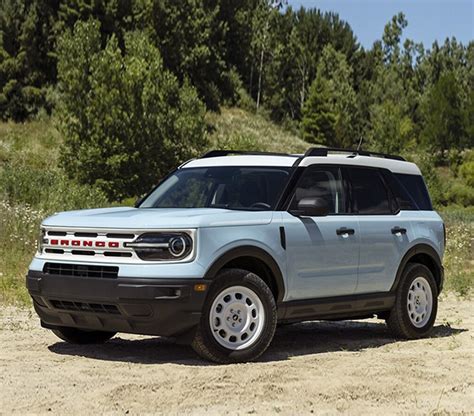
(385, 232)
(322, 252)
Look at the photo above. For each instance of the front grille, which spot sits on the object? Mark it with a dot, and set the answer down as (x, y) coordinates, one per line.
(99, 244)
(81, 270)
(66, 305)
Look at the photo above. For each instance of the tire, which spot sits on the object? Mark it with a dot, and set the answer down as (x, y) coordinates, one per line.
(79, 336)
(416, 303)
(238, 320)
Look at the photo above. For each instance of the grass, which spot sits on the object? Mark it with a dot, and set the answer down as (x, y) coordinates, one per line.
(235, 128)
(37, 142)
(34, 144)
(20, 226)
(459, 254)
(32, 186)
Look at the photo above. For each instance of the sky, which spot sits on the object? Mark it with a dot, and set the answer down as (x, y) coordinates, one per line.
(428, 20)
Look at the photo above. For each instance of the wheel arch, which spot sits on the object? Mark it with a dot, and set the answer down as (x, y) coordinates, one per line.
(423, 254)
(255, 260)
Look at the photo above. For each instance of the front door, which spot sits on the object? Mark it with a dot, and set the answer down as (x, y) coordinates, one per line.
(322, 252)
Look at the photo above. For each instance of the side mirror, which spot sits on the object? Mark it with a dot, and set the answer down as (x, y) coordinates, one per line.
(312, 207)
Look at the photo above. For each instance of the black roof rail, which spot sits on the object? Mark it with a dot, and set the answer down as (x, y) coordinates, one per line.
(217, 153)
(323, 151)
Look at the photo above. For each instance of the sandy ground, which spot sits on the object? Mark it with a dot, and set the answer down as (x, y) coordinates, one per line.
(317, 367)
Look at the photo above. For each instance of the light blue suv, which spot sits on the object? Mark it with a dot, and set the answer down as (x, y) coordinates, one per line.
(231, 244)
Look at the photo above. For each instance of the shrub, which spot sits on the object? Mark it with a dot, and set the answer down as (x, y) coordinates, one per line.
(460, 193)
(432, 180)
(466, 171)
(126, 119)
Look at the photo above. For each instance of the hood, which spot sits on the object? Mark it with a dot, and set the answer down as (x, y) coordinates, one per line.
(156, 218)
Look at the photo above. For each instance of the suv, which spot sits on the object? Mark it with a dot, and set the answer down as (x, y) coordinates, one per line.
(229, 245)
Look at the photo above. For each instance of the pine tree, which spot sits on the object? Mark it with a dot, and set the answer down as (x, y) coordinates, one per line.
(331, 110)
(318, 117)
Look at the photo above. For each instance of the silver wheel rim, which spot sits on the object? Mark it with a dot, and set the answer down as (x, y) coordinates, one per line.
(237, 318)
(419, 302)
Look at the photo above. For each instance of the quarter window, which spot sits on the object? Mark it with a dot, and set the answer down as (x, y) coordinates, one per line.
(415, 186)
(369, 193)
(321, 182)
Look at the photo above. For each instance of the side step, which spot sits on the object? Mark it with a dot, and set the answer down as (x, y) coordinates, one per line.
(335, 307)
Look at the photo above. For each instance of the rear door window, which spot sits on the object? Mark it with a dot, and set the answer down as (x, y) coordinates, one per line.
(369, 193)
(402, 200)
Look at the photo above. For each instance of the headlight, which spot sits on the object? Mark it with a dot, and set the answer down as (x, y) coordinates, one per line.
(41, 241)
(159, 246)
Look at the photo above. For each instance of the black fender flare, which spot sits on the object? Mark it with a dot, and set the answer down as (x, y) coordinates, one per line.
(414, 251)
(249, 251)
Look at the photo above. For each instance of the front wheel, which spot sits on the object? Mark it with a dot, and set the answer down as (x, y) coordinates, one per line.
(80, 336)
(238, 320)
(416, 304)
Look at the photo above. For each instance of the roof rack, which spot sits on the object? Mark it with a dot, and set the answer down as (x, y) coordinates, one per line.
(217, 153)
(323, 151)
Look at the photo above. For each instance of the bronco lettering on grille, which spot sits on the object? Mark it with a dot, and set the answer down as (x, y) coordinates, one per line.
(85, 243)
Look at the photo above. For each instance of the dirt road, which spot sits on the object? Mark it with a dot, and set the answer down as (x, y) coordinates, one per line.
(348, 367)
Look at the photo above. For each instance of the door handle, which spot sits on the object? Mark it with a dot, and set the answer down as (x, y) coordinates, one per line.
(344, 230)
(399, 230)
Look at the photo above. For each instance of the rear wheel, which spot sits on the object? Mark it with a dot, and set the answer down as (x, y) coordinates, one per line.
(239, 318)
(80, 336)
(416, 304)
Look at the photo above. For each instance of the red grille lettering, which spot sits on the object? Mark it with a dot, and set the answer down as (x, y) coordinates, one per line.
(85, 243)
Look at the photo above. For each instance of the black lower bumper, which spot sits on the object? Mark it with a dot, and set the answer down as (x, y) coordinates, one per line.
(166, 307)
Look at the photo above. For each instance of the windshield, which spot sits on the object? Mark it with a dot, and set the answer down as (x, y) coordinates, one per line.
(230, 187)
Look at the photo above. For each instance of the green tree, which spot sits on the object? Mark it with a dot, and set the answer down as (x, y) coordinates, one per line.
(27, 67)
(332, 103)
(297, 40)
(126, 119)
(319, 118)
(391, 38)
(191, 39)
(391, 129)
(442, 111)
(389, 100)
(469, 120)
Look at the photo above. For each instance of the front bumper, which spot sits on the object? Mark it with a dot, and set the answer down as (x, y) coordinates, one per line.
(166, 307)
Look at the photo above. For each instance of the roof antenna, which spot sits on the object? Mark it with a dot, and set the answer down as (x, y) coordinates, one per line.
(360, 143)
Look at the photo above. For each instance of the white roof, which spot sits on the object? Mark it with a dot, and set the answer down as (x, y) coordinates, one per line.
(242, 160)
(396, 166)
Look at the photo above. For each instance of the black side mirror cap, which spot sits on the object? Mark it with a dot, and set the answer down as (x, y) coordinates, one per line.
(311, 207)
